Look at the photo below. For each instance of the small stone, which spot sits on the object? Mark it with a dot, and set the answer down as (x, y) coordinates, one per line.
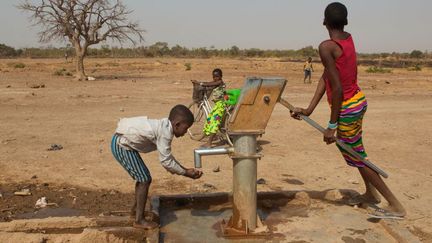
(209, 186)
(37, 86)
(301, 199)
(82, 168)
(216, 169)
(121, 109)
(8, 86)
(55, 147)
(34, 177)
(261, 181)
(333, 195)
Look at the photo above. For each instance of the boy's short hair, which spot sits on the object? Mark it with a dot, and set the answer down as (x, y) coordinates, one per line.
(217, 71)
(335, 15)
(182, 113)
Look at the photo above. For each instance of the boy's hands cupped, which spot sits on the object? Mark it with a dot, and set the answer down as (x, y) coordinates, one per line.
(193, 173)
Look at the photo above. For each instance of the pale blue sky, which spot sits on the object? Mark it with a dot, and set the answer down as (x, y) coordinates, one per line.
(376, 25)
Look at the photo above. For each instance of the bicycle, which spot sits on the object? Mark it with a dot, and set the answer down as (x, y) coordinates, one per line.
(201, 107)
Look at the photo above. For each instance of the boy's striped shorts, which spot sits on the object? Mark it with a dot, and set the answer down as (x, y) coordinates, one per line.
(131, 161)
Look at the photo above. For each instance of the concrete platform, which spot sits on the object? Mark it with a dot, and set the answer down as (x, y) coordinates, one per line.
(290, 216)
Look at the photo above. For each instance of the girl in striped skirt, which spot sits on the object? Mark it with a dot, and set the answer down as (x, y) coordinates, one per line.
(348, 106)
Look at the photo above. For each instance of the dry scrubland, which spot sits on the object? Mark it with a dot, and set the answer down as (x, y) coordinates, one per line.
(41, 105)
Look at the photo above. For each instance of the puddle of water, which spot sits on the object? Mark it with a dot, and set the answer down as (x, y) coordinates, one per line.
(49, 212)
(187, 220)
(56, 231)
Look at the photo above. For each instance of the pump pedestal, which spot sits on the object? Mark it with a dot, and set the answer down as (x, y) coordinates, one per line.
(249, 120)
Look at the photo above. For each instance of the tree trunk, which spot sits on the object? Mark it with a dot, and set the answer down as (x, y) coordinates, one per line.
(79, 65)
(80, 74)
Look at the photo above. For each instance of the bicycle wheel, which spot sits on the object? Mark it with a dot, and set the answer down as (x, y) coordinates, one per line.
(223, 134)
(196, 130)
(227, 136)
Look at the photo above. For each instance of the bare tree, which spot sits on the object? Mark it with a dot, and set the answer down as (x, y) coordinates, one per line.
(83, 23)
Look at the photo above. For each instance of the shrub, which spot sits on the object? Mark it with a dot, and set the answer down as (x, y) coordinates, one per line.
(376, 69)
(59, 72)
(62, 72)
(188, 66)
(416, 67)
(16, 64)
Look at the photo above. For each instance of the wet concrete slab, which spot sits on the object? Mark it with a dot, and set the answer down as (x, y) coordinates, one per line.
(309, 218)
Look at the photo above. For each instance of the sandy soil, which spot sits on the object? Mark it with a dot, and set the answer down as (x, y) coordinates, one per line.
(81, 116)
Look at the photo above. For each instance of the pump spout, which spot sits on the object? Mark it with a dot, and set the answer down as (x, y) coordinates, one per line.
(210, 151)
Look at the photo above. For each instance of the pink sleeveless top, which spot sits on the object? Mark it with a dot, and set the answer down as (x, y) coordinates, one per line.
(346, 65)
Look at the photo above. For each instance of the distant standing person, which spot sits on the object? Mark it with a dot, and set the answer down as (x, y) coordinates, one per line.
(66, 56)
(308, 69)
(348, 106)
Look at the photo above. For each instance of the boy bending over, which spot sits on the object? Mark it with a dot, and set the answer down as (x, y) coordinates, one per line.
(142, 135)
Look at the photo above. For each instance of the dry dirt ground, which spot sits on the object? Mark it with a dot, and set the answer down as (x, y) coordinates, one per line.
(82, 115)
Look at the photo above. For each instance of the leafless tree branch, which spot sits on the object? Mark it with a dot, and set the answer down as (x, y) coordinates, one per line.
(82, 22)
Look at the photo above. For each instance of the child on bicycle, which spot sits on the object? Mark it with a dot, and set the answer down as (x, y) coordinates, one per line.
(215, 117)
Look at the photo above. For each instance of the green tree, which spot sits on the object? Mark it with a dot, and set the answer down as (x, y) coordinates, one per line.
(7, 51)
(308, 51)
(159, 49)
(234, 51)
(416, 54)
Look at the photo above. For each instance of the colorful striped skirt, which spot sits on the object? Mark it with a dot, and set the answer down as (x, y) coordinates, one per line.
(350, 127)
